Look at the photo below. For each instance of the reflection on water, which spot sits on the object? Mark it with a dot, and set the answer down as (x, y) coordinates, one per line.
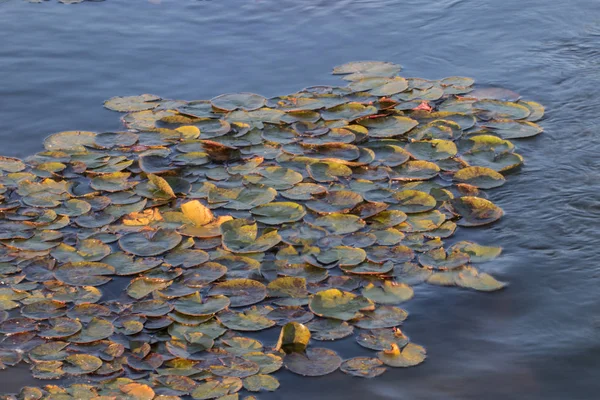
(538, 339)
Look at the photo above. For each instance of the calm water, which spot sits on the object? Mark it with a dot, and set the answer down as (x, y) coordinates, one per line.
(539, 338)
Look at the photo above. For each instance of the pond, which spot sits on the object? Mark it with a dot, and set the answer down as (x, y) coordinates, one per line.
(537, 339)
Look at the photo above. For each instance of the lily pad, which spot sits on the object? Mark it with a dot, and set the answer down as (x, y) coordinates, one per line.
(315, 362)
(235, 101)
(409, 356)
(334, 303)
(241, 292)
(146, 244)
(476, 211)
(364, 367)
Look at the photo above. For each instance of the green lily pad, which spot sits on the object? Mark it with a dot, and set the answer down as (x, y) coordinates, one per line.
(81, 364)
(235, 101)
(481, 177)
(213, 388)
(334, 303)
(386, 127)
(476, 211)
(509, 129)
(348, 111)
(382, 339)
(96, 329)
(250, 320)
(314, 362)
(241, 292)
(289, 290)
(389, 293)
(260, 382)
(84, 273)
(194, 306)
(240, 236)
(75, 141)
(409, 356)
(439, 259)
(476, 252)
(364, 367)
(381, 317)
(132, 103)
(61, 328)
(471, 279)
(417, 170)
(146, 244)
(276, 213)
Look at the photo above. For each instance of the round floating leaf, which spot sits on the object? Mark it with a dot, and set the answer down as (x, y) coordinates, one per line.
(432, 150)
(278, 213)
(75, 141)
(385, 127)
(363, 367)
(498, 162)
(193, 305)
(81, 364)
(241, 292)
(240, 236)
(338, 201)
(10, 164)
(328, 171)
(348, 111)
(439, 259)
(61, 328)
(334, 303)
(417, 170)
(96, 329)
(369, 268)
(146, 244)
(471, 279)
(261, 382)
(113, 182)
(414, 201)
(477, 252)
(235, 101)
(141, 287)
(213, 388)
(44, 309)
(315, 362)
(475, 211)
(382, 339)
(509, 129)
(481, 177)
(502, 109)
(84, 273)
(132, 103)
(389, 293)
(342, 256)
(250, 320)
(409, 356)
(108, 140)
(204, 274)
(233, 366)
(381, 317)
(290, 290)
(460, 81)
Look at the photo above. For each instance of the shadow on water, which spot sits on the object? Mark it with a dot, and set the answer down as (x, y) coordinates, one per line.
(539, 338)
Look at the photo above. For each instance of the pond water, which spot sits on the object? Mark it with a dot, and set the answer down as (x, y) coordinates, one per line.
(537, 339)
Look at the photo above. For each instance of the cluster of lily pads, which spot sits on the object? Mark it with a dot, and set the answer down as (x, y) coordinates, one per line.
(135, 263)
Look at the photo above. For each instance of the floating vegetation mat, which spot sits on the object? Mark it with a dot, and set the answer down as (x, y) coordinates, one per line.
(134, 264)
